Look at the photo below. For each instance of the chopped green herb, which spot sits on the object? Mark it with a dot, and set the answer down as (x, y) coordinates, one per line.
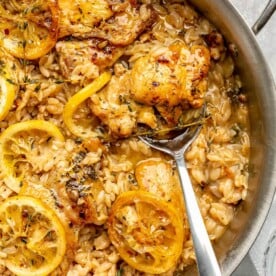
(79, 157)
(131, 179)
(37, 88)
(26, 79)
(10, 81)
(78, 141)
(120, 272)
(25, 25)
(90, 172)
(25, 11)
(69, 38)
(24, 62)
(24, 43)
(59, 81)
(129, 107)
(36, 9)
(24, 240)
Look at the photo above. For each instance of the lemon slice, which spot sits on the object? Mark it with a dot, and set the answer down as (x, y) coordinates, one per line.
(7, 85)
(32, 237)
(147, 231)
(17, 141)
(30, 27)
(75, 101)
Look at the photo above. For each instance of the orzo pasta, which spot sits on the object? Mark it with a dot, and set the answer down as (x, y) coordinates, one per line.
(79, 81)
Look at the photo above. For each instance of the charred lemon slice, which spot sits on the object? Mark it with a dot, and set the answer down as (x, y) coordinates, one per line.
(22, 141)
(32, 237)
(75, 101)
(29, 28)
(146, 231)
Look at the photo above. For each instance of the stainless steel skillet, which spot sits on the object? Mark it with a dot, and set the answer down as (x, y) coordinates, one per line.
(259, 83)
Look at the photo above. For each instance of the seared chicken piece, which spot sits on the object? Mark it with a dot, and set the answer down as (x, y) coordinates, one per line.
(81, 60)
(78, 191)
(79, 201)
(158, 177)
(169, 82)
(146, 116)
(176, 77)
(85, 209)
(119, 22)
(124, 27)
(80, 16)
(171, 115)
(115, 108)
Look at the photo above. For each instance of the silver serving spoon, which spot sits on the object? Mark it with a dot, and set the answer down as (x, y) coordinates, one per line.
(206, 259)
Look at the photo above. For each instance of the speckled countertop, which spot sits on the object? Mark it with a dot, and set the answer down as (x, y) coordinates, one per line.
(250, 10)
(261, 259)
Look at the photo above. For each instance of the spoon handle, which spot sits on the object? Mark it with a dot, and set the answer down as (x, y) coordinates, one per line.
(206, 259)
(265, 16)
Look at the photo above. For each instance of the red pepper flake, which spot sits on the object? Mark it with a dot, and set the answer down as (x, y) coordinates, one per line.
(155, 83)
(7, 31)
(162, 59)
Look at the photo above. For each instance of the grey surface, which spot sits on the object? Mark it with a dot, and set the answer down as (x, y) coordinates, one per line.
(250, 10)
(261, 258)
(247, 267)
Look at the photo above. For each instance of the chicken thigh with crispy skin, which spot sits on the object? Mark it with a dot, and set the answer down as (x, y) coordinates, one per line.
(176, 77)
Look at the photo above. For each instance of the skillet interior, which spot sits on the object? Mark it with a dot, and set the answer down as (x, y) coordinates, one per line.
(259, 84)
